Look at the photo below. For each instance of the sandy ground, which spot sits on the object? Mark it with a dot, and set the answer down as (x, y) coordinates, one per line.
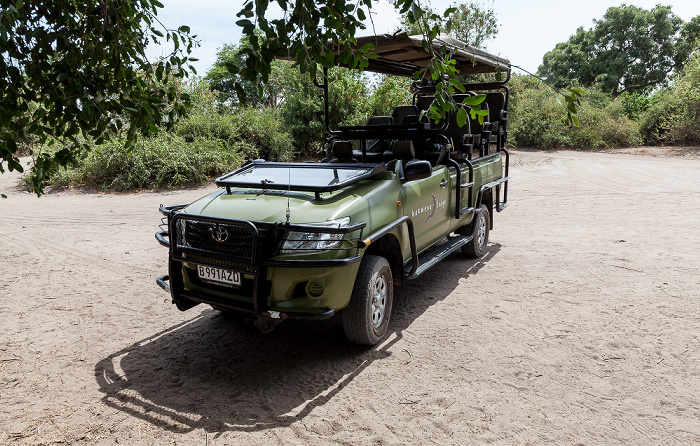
(580, 326)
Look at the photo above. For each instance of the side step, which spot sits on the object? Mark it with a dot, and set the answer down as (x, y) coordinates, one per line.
(434, 255)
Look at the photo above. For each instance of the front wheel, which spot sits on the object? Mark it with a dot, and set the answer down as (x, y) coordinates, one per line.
(480, 230)
(366, 318)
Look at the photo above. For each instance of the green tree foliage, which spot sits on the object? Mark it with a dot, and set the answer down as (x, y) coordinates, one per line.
(629, 49)
(302, 108)
(224, 81)
(688, 41)
(322, 34)
(76, 71)
(473, 23)
(635, 104)
(674, 116)
(388, 93)
(351, 100)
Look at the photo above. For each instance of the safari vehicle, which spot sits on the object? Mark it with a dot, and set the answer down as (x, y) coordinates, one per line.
(390, 200)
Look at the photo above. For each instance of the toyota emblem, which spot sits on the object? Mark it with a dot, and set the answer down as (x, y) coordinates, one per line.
(219, 234)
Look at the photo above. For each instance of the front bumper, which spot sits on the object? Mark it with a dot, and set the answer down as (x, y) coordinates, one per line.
(229, 304)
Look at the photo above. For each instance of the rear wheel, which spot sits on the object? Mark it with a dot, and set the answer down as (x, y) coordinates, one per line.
(366, 318)
(480, 230)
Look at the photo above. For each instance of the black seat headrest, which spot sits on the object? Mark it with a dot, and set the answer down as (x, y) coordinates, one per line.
(399, 113)
(403, 150)
(424, 102)
(342, 149)
(380, 120)
(409, 119)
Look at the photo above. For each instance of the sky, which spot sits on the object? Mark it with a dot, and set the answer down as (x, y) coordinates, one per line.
(528, 29)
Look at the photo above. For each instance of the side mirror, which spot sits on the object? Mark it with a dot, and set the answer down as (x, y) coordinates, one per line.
(417, 170)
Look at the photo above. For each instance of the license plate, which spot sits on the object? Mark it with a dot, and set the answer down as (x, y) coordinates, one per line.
(219, 275)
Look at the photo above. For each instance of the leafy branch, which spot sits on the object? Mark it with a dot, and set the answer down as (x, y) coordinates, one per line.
(75, 72)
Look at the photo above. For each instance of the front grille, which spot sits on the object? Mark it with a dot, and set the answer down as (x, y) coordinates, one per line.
(235, 244)
(231, 241)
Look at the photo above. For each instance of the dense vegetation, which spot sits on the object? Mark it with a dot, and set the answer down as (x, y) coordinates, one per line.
(284, 121)
(535, 112)
(217, 137)
(75, 72)
(668, 116)
(673, 114)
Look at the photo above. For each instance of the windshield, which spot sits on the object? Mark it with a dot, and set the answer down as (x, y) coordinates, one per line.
(298, 176)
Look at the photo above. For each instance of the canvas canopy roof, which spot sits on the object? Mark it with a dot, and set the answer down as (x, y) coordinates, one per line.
(402, 55)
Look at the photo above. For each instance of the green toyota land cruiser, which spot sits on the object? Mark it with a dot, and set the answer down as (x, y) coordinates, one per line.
(390, 199)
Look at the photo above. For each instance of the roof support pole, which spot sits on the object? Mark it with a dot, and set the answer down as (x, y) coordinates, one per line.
(324, 87)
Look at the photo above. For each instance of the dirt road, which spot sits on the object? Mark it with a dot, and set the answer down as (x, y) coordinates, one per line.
(581, 326)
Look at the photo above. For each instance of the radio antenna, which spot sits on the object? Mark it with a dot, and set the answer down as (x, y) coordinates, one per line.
(289, 178)
(289, 187)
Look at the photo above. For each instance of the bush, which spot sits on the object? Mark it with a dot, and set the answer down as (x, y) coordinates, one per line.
(535, 119)
(260, 128)
(635, 104)
(674, 117)
(165, 161)
(264, 129)
(203, 145)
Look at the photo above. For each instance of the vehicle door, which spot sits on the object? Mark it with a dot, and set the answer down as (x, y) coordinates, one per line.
(426, 202)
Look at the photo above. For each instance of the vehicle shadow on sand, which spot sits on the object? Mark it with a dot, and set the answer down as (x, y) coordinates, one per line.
(217, 374)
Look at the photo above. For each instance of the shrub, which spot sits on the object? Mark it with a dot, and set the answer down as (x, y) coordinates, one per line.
(533, 116)
(635, 104)
(203, 145)
(264, 129)
(674, 117)
(535, 119)
(165, 161)
(260, 128)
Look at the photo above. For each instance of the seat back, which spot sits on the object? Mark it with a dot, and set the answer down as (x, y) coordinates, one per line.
(424, 102)
(400, 113)
(454, 131)
(377, 146)
(380, 120)
(409, 119)
(342, 152)
(496, 102)
(457, 135)
(403, 150)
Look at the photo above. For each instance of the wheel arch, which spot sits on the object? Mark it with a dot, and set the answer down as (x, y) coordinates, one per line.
(389, 248)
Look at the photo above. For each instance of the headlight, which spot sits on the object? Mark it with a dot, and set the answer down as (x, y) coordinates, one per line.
(314, 241)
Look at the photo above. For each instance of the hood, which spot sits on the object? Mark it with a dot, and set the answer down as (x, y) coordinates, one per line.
(271, 205)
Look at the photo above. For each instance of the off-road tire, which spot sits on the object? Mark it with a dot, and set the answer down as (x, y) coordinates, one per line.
(480, 230)
(366, 318)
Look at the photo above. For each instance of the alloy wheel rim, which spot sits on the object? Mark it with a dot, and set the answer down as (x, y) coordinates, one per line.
(481, 234)
(379, 298)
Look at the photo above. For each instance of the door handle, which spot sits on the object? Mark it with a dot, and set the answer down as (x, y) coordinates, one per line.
(443, 184)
